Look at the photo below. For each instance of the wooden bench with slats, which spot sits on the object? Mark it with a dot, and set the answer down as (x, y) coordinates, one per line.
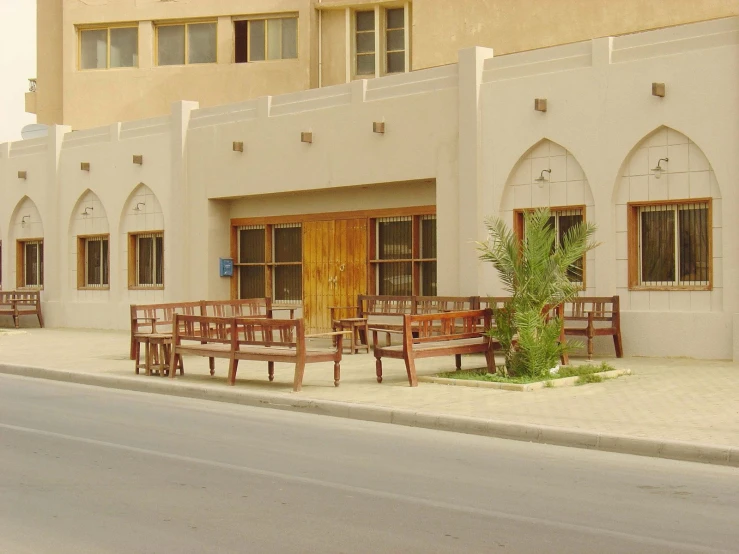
(593, 316)
(256, 339)
(439, 334)
(18, 303)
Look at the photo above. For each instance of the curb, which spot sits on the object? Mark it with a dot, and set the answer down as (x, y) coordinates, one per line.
(521, 387)
(542, 434)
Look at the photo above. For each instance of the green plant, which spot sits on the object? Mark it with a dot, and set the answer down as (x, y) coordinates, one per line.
(589, 378)
(537, 271)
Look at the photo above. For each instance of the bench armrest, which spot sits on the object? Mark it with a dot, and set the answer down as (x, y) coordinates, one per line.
(335, 333)
(143, 319)
(394, 331)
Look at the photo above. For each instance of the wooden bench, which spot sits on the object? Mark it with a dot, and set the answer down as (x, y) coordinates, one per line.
(267, 340)
(19, 303)
(593, 316)
(439, 334)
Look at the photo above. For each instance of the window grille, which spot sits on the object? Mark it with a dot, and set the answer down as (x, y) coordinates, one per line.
(96, 259)
(150, 260)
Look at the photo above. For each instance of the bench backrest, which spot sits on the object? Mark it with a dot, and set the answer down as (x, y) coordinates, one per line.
(376, 305)
(598, 308)
(143, 314)
(238, 308)
(446, 326)
(438, 304)
(254, 330)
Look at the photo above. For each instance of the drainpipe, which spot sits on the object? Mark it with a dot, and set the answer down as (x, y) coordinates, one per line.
(320, 45)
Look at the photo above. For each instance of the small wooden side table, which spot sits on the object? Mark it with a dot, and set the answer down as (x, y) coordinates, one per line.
(358, 328)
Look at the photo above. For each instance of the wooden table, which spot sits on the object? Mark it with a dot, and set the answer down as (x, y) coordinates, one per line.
(358, 327)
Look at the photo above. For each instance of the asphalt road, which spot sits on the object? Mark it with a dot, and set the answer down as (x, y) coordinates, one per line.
(85, 469)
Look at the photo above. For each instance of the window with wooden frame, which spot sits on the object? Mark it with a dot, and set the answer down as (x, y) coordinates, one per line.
(670, 245)
(270, 261)
(389, 54)
(562, 220)
(395, 40)
(146, 260)
(257, 40)
(403, 255)
(93, 262)
(108, 47)
(30, 264)
(187, 43)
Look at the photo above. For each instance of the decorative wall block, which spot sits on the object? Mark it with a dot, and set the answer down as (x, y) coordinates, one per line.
(238, 146)
(658, 89)
(306, 136)
(540, 104)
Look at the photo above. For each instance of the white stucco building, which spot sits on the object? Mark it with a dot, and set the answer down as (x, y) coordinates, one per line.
(314, 204)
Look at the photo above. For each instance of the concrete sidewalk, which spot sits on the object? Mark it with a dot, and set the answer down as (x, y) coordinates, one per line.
(674, 408)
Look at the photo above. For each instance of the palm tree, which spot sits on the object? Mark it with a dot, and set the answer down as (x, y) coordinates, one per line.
(540, 273)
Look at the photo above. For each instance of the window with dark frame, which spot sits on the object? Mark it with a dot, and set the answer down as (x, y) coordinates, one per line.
(271, 267)
(146, 260)
(265, 39)
(31, 263)
(670, 245)
(403, 262)
(93, 262)
(561, 220)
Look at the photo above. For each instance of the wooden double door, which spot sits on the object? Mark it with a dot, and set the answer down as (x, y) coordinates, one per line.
(334, 268)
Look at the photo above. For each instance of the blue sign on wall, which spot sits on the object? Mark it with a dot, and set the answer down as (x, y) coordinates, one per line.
(227, 267)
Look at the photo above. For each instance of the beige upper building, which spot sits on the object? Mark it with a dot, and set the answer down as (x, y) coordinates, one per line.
(119, 60)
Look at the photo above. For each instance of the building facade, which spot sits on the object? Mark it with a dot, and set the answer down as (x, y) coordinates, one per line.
(122, 60)
(383, 185)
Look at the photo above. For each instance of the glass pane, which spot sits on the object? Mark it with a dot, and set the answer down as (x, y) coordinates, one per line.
(396, 40)
(395, 239)
(94, 49)
(366, 64)
(289, 38)
(396, 62)
(251, 282)
(428, 238)
(567, 222)
(106, 268)
(240, 34)
(274, 38)
(366, 21)
(428, 278)
(395, 279)
(693, 229)
(658, 246)
(201, 43)
(171, 45)
(288, 283)
(41, 263)
(396, 18)
(31, 264)
(145, 260)
(159, 253)
(124, 47)
(256, 42)
(288, 244)
(251, 246)
(94, 262)
(365, 43)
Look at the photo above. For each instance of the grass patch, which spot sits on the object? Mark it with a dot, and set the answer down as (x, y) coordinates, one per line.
(585, 372)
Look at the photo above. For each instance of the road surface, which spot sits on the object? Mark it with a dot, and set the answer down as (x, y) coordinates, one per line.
(85, 469)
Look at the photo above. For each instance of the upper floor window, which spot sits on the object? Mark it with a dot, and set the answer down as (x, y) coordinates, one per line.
(108, 48)
(392, 54)
(186, 43)
(266, 39)
(670, 245)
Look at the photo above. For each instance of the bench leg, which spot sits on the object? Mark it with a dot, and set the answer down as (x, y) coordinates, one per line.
(271, 371)
(136, 354)
(337, 373)
(148, 358)
(490, 360)
(410, 368)
(458, 361)
(298, 380)
(233, 365)
(619, 345)
(212, 365)
(378, 369)
(40, 319)
(590, 347)
(175, 360)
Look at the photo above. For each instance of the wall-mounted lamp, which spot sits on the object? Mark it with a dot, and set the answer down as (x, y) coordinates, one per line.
(541, 179)
(85, 166)
(306, 136)
(378, 127)
(23, 220)
(23, 175)
(658, 89)
(86, 212)
(659, 169)
(137, 208)
(238, 146)
(540, 104)
(138, 159)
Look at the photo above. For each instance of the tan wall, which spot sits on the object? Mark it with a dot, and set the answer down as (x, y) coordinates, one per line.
(48, 93)
(333, 47)
(441, 28)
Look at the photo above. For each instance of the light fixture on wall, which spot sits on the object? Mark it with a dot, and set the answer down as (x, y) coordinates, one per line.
(306, 136)
(540, 104)
(658, 89)
(659, 169)
(541, 179)
(86, 212)
(85, 166)
(378, 127)
(138, 159)
(238, 146)
(23, 175)
(23, 220)
(137, 208)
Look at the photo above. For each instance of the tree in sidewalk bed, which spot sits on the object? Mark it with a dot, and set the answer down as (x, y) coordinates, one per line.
(539, 272)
